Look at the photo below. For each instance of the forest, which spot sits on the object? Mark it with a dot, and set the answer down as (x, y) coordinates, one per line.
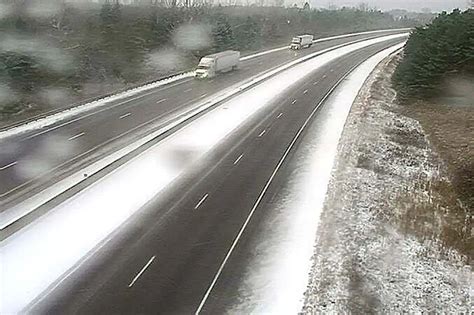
(434, 53)
(77, 53)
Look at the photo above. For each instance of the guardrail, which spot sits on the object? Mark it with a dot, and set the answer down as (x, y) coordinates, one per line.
(24, 208)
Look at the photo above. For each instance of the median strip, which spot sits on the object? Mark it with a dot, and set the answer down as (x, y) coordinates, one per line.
(25, 207)
(53, 238)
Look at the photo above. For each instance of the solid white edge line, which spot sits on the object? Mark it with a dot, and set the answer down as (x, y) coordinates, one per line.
(141, 271)
(201, 201)
(264, 190)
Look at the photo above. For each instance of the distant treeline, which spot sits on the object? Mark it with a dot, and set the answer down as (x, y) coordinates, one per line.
(112, 46)
(443, 49)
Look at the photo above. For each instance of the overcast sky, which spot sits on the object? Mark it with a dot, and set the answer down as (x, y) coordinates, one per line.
(412, 5)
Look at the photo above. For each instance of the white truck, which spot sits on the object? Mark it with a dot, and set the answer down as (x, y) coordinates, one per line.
(211, 65)
(301, 41)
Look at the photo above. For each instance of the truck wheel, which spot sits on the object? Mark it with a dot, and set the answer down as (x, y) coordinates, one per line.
(309, 46)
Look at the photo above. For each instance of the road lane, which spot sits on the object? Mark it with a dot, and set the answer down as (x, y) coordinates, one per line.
(192, 245)
(102, 126)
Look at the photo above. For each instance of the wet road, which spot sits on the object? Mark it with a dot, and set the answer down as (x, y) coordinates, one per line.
(34, 160)
(185, 253)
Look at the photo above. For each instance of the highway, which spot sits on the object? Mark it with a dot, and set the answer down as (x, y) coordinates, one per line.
(31, 161)
(186, 251)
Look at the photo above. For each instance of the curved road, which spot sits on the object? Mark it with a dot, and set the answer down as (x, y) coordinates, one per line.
(164, 260)
(34, 160)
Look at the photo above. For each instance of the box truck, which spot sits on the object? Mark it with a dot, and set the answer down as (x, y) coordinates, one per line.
(211, 65)
(301, 41)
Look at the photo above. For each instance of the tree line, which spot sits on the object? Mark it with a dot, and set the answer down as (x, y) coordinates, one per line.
(435, 52)
(110, 44)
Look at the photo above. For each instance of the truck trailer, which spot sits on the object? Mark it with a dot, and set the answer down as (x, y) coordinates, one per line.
(211, 65)
(301, 41)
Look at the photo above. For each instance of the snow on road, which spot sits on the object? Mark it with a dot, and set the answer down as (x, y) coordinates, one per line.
(278, 272)
(39, 254)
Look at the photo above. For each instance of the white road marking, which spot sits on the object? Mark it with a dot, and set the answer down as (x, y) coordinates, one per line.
(204, 95)
(332, 70)
(161, 101)
(7, 166)
(188, 90)
(201, 201)
(264, 190)
(262, 133)
(77, 136)
(305, 91)
(315, 82)
(293, 103)
(238, 159)
(279, 115)
(141, 271)
(125, 115)
(324, 76)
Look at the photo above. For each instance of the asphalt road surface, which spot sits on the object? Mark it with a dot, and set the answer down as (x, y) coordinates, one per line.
(168, 259)
(34, 160)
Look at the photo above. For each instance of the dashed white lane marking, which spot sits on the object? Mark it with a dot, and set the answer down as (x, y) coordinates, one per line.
(324, 76)
(293, 103)
(161, 101)
(188, 90)
(332, 70)
(76, 136)
(7, 166)
(141, 271)
(305, 91)
(204, 95)
(315, 82)
(125, 115)
(201, 201)
(262, 194)
(279, 115)
(238, 159)
(262, 133)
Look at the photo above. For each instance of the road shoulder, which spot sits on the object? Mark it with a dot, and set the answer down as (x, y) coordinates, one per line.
(389, 237)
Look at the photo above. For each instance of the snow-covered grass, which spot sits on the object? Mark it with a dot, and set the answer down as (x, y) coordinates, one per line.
(27, 206)
(380, 246)
(37, 255)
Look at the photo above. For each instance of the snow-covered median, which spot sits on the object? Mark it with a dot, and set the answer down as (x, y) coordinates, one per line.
(138, 92)
(57, 242)
(27, 206)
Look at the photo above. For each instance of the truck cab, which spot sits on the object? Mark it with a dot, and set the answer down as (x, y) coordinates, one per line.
(206, 68)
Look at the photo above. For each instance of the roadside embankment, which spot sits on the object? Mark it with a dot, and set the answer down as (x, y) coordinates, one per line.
(394, 235)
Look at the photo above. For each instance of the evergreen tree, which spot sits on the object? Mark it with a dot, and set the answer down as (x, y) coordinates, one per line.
(444, 47)
(222, 34)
